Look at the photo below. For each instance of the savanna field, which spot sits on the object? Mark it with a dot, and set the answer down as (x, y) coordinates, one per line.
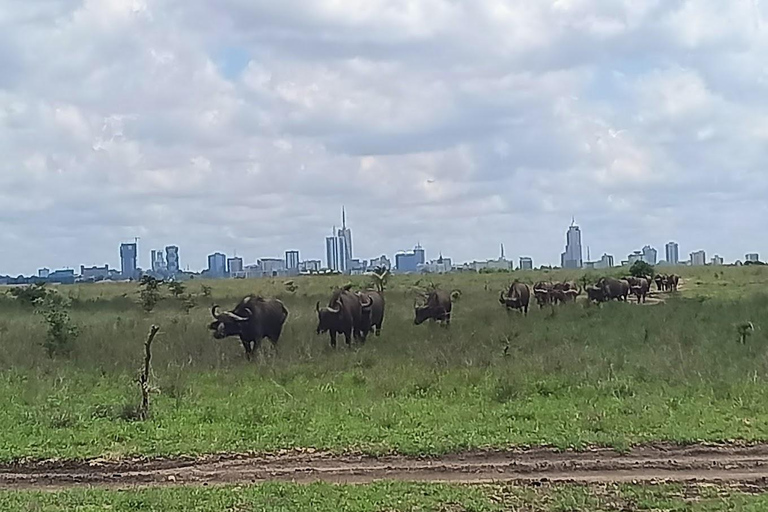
(572, 376)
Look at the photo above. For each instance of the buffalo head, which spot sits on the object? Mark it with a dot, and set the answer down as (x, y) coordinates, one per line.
(326, 317)
(227, 323)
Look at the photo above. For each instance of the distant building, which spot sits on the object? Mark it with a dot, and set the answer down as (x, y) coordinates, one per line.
(698, 258)
(526, 263)
(234, 265)
(604, 263)
(62, 277)
(158, 262)
(128, 262)
(43, 273)
(634, 257)
(310, 266)
(717, 260)
(673, 253)
(292, 261)
(172, 260)
(345, 243)
(272, 267)
(381, 261)
(94, 273)
(217, 265)
(573, 255)
(408, 262)
(650, 255)
(752, 257)
(439, 266)
(332, 254)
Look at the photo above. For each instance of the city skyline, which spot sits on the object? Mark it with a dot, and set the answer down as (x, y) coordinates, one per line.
(218, 263)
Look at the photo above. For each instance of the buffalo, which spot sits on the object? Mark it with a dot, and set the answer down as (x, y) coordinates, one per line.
(438, 306)
(542, 292)
(343, 315)
(373, 315)
(254, 319)
(640, 287)
(614, 289)
(595, 293)
(518, 297)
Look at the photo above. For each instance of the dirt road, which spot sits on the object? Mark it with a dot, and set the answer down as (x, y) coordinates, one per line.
(720, 464)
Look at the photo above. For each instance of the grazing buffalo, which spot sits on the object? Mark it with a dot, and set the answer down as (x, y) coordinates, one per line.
(518, 297)
(542, 292)
(595, 294)
(343, 315)
(438, 307)
(640, 287)
(673, 282)
(254, 319)
(373, 315)
(661, 282)
(614, 289)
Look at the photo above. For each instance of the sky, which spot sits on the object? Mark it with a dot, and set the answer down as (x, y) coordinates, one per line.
(243, 126)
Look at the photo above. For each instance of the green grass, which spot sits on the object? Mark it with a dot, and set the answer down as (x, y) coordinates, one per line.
(390, 497)
(614, 375)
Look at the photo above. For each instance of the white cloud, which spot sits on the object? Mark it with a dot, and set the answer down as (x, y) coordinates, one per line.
(246, 125)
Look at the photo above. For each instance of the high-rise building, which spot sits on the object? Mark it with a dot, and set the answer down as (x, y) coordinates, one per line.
(332, 253)
(698, 258)
(650, 255)
(292, 260)
(605, 262)
(158, 261)
(717, 260)
(172, 260)
(345, 243)
(407, 262)
(234, 265)
(310, 266)
(43, 273)
(573, 255)
(673, 253)
(752, 257)
(128, 264)
(217, 265)
(526, 263)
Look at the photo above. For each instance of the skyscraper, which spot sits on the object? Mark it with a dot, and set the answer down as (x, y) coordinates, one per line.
(217, 265)
(650, 255)
(158, 261)
(234, 265)
(292, 261)
(345, 243)
(526, 263)
(673, 253)
(572, 257)
(332, 253)
(172, 260)
(128, 266)
(698, 258)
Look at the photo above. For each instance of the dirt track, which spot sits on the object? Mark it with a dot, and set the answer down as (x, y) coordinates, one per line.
(717, 464)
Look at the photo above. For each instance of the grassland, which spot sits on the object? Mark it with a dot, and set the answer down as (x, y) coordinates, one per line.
(392, 497)
(614, 375)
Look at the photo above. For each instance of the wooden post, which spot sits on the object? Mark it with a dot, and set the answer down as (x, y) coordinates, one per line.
(144, 379)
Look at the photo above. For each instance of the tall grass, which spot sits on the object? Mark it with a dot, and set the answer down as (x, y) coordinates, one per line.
(577, 373)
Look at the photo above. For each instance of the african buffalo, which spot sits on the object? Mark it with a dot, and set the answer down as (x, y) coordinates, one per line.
(614, 288)
(518, 297)
(542, 293)
(254, 319)
(595, 293)
(438, 307)
(343, 315)
(373, 315)
(640, 287)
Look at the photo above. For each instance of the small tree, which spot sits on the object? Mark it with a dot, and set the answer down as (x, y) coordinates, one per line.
(149, 292)
(642, 269)
(62, 333)
(30, 294)
(206, 290)
(380, 278)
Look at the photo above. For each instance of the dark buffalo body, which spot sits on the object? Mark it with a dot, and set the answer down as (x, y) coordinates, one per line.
(640, 287)
(438, 307)
(518, 297)
(373, 315)
(254, 319)
(343, 315)
(614, 289)
(542, 292)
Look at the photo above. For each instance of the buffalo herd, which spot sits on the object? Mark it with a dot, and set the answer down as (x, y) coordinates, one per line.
(355, 315)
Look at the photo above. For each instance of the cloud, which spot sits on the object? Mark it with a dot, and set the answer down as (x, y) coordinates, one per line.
(246, 125)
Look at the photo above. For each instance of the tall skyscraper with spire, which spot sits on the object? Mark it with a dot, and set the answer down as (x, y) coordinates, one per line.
(344, 243)
(573, 255)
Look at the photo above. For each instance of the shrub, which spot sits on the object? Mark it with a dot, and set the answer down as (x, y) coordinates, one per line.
(62, 333)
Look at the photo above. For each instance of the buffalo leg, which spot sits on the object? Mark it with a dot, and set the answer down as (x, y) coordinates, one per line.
(348, 338)
(248, 349)
(333, 339)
